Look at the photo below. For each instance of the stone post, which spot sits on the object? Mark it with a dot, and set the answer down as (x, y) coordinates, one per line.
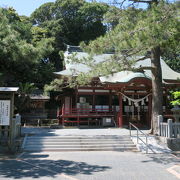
(170, 122)
(160, 120)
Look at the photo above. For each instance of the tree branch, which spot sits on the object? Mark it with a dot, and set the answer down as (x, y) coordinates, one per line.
(141, 29)
(143, 58)
(143, 1)
(142, 68)
(118, 3)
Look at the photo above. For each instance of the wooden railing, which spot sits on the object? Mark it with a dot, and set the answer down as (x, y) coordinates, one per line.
(86, 111)
(85, 115)
(169, 129)
(40, 122)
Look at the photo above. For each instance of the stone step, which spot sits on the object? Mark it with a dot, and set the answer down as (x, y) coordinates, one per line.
(81, 141)
(81, 145)
(77, 142)
(82, 149)
(93, 138)
(74, 138)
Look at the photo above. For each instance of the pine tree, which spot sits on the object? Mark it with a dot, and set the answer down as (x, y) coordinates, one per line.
(140, 33)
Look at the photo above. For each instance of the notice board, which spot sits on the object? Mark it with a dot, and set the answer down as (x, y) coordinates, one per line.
(4, 112)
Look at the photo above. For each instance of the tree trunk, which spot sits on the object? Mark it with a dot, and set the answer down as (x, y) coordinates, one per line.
(157, 91)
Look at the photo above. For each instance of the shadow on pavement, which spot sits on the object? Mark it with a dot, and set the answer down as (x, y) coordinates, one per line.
(36, 168)
(38, 131)
(164, 159)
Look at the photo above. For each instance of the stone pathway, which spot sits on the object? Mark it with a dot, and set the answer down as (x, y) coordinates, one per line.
(153, 144)
(97, 165)
(75, 131)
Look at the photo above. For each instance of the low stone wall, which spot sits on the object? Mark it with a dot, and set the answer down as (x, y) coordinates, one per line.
(173, 144)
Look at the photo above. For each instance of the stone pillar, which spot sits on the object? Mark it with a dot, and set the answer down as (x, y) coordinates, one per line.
(160, 120)
(170, 122)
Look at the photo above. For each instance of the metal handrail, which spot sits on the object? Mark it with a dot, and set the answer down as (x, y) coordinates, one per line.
(138, 138)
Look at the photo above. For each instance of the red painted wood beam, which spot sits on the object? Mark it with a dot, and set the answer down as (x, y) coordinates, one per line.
(120, 115)
(149, 110)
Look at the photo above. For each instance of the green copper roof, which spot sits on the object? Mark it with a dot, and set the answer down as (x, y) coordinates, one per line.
(123, 77)
(73, 69)
(134, 75)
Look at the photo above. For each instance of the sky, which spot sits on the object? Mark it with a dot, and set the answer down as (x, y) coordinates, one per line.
(26, 7)
(23, 7)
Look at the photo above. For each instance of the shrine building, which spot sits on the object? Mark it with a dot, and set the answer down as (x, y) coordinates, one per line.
(113, 100)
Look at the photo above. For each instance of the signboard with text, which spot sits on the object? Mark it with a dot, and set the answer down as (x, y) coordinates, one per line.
(4, 112)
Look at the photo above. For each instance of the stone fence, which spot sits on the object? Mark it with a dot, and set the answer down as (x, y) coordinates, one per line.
(169, 129)
(171, 132)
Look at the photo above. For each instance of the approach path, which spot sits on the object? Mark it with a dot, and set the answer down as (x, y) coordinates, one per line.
(94, 165)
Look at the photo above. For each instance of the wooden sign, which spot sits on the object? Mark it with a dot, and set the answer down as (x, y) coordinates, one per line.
(4, 112)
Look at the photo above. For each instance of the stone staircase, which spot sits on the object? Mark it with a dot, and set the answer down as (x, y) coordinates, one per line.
(78, 143)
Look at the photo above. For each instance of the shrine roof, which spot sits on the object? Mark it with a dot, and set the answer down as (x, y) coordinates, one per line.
(9, 89)
(73, 68)
(39, 97)
(123, 77)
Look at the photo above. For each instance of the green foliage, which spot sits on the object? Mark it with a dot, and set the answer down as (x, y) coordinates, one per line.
(111, 18)
(55, 85)
(138, 31)
(38, 33)
(68, 22)
(176, 97)
(23, 100)
(172, 57)
(26, 89)
(21, 54)
(20, 24)
(43, 13)
(1, 79)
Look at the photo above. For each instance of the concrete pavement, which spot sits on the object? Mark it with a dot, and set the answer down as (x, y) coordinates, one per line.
(90, 166)
(75, 131)
(94, 165)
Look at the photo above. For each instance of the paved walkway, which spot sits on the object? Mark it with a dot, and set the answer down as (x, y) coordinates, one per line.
(90, 166)
(77, 131)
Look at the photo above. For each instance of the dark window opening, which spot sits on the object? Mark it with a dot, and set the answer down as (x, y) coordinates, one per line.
(102, 100)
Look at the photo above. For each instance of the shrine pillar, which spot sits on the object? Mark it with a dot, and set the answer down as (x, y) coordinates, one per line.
(149, 110)
(120, 114)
